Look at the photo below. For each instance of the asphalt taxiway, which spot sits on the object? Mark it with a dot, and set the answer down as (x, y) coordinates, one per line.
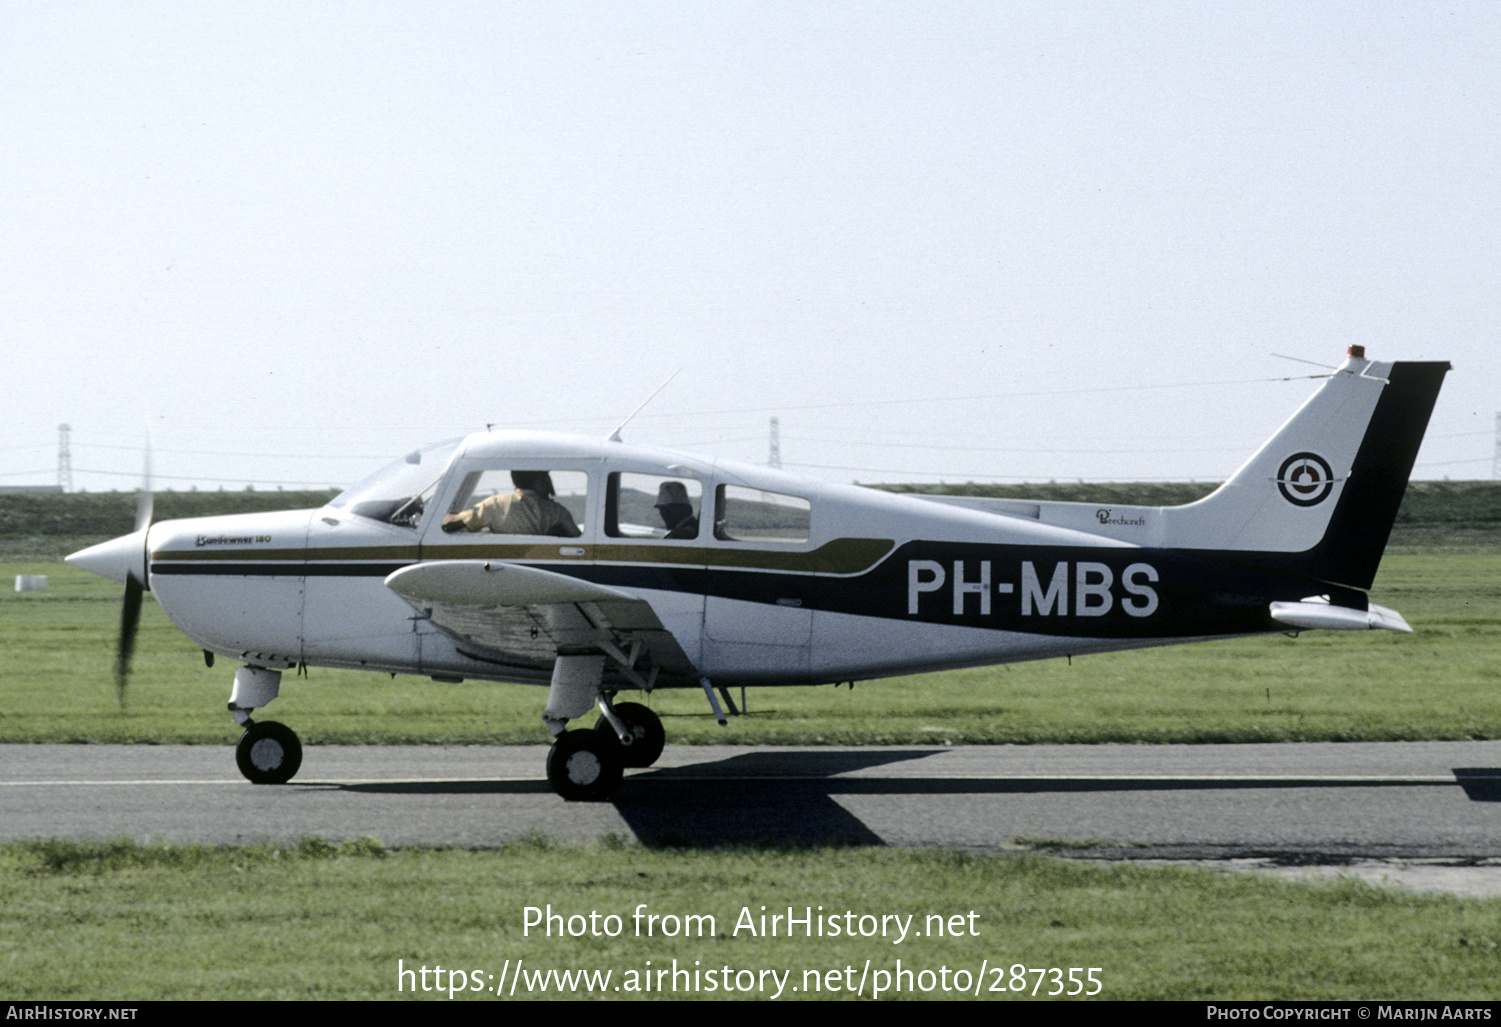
(1318, 804)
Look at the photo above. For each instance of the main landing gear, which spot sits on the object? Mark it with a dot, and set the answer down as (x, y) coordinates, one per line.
(267, 753)
(587, 764)
(645, 737)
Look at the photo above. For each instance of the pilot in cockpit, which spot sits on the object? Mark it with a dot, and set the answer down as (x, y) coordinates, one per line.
(676, 510)
(530, 510)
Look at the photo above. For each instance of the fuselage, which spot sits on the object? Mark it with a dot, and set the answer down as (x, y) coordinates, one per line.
(785, 579)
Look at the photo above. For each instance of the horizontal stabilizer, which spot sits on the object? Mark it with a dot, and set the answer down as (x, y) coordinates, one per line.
(495, 583)
(1314, 614)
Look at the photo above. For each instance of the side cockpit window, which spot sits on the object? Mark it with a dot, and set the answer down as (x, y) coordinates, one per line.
(652, 506)
(753, 515)
(520, 502)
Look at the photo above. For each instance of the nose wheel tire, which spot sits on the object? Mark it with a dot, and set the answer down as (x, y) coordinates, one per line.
(584, 766)
(268, 753)
(648, 737)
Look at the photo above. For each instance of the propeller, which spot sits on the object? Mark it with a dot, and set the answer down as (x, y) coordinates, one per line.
(130, 609)
(125, 647)
(124, 560)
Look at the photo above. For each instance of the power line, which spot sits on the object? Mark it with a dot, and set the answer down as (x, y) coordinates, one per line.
(972, 476)
(998, 449)
(768, 407)
(278, 456)
(962, 399)
(1460, 434)
(218, 481)
(1451, 463)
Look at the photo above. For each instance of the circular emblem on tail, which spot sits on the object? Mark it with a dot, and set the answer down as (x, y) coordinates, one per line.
(1305, 479)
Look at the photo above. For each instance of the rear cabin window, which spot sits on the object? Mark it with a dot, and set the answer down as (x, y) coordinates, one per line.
(520, 502)
(751, 515)
(652, 506)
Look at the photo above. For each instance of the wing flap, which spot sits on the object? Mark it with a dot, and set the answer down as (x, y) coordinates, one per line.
(520, 616)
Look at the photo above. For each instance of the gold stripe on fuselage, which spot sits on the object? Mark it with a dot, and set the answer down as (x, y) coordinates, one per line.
(842, 556)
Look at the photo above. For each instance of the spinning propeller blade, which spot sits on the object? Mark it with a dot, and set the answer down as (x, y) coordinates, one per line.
(130, 620)
(130, 609)
(144, 498)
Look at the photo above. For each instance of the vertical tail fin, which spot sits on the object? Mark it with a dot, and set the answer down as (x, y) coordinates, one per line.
(1320, 497)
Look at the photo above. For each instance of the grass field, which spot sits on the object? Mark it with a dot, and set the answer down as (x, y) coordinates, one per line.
(1439, 683)
(125, 921)
(91, 920)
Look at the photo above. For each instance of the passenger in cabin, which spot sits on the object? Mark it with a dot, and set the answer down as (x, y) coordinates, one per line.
(530, 510)
(676, 510)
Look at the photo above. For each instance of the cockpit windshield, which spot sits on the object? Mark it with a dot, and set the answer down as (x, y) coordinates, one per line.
(398, 493)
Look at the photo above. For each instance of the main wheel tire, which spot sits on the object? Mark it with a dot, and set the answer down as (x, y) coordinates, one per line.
(648, 737)
(582, 766)
(268, 753)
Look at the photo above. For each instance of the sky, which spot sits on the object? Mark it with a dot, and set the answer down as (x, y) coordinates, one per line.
(938, 241)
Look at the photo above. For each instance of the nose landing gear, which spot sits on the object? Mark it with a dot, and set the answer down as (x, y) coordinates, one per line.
(267, 753)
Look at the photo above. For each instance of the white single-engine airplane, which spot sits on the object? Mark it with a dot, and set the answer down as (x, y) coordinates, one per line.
(593, 566)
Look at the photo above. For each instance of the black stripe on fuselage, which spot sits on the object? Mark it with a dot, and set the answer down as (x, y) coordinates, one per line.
(279, 570)
(1126, 593)
(1076, 591)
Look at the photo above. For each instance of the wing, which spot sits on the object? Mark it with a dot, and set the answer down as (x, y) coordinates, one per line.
(524, 617)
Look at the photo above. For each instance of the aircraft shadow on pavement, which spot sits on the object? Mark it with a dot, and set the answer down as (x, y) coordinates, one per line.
(750, 799)
(789, 798)
(772, 798)
(1481, 784)
(746, 800)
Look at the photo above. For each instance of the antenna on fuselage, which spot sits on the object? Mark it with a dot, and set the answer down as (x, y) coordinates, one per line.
(614, 436)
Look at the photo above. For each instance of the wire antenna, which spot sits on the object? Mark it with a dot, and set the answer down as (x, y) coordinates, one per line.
(1300, 360)
(614, 436)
